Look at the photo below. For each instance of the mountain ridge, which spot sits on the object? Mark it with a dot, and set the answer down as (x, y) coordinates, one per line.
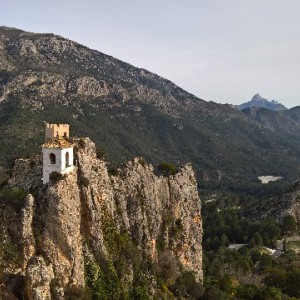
(129, 112)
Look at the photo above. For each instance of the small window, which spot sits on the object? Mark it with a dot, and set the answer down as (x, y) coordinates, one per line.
(67, 160)
(52, 158)
(65, 134)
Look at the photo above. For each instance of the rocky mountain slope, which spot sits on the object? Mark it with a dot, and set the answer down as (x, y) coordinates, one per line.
(129, 112)
(114, 236)
(277, 206)
(285, 123)
(259, 102)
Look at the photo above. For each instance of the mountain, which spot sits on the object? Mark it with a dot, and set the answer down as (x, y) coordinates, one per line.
(130, 112)
(284, 122)
(258, 101)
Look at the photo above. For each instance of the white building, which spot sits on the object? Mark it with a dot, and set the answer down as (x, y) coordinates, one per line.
(57, 157)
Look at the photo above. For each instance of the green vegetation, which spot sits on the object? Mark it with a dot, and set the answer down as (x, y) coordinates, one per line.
(161, 279)
(167, 168)
(101, 153)
(103, 281)
(13, 197)
(176, 229)
(106, 279)
(9, 253)
(56, 176)
(11, 203)
(223, 224)
(250, 272)
(289, 225)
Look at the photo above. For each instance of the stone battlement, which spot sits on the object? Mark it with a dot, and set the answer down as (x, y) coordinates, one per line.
(56, 131)
(48, 125)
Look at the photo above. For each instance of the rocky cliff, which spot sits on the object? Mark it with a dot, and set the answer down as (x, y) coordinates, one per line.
(142, 229)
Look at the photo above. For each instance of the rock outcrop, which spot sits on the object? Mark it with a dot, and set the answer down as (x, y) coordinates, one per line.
(81, 214)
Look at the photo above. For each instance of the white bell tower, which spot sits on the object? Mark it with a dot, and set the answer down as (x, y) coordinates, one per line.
(57, 151)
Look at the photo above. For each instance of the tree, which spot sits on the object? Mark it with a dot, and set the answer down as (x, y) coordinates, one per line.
(276, 277)
(168, 268)
(247, 291)
(271, 293)
(257, 240)
(289, 225)
(224, 240)
(293, 283)
(265, 261)
(167, 168)
(213, 293)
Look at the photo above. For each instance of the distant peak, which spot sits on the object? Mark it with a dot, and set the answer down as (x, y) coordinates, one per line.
(258, 101)
(257, 96)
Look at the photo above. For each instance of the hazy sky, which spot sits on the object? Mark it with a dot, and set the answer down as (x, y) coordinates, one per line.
(220, 50)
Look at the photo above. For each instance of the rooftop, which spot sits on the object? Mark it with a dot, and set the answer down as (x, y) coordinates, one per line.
(58, 144)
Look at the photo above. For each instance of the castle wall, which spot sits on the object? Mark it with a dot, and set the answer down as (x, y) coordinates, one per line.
(60, 164)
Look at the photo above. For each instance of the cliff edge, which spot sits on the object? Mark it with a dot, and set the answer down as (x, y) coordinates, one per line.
(99, 232)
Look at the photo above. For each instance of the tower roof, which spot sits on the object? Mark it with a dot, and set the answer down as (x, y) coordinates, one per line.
(57, 144)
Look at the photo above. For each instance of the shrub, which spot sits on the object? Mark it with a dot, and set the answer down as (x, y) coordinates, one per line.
(186, 285)
(100, 153)
(177, 228)
(168, 269)
(14, 197)
(78, 293)
(113, 172)
(141, 287)
(142, 161)
(103, 281)
(9, 253)
(31, 163)
(167, 168)
(81, 143)
(289, 225)
(56, 176)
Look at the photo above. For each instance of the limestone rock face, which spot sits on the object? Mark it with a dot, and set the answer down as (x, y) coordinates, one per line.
(161, 208)
(27, 234)
(89, 86)
(39, 276)
(27, 173)
(65, 216)
(61, 235)
(150, 207)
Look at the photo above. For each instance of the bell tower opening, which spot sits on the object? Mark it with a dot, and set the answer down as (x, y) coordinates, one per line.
(67, 159)
(52, 158)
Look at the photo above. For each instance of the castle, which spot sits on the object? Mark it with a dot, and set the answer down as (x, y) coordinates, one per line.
(57, 151)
